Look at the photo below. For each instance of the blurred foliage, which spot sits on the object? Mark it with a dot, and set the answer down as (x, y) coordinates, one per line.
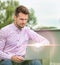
(7, 10)
(32, 18)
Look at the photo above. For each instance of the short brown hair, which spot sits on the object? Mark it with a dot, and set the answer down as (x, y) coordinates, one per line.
(21, 9)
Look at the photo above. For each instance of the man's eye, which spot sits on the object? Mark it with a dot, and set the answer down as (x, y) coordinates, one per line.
(23, 19)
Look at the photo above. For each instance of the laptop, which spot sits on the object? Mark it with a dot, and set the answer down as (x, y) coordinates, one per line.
(37, 52)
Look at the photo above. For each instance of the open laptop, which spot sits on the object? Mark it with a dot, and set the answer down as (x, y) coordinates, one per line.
(37, 52)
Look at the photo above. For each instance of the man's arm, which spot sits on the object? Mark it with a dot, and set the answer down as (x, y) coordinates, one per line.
(3, 55)
(37, 38)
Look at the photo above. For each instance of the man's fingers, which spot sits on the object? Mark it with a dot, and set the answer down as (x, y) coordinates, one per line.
(20, 58)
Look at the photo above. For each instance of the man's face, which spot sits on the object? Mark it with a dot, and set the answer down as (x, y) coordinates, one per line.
(21, 20)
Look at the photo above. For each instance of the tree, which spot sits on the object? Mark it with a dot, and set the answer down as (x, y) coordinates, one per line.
(32, 18)
(7, 10)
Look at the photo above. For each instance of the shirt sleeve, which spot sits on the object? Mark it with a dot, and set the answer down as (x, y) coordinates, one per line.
(37, 37)
(3, 55)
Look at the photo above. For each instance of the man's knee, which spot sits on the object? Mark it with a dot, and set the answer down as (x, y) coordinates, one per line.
(6, 62)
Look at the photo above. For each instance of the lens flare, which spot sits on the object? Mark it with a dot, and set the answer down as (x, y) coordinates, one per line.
(39, 47)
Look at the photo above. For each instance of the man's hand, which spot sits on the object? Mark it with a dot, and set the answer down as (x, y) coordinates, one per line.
(17, 58)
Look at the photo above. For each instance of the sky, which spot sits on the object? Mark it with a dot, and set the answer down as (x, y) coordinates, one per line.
(46, 11)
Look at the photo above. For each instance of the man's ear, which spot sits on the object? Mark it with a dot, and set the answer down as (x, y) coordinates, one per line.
(14, 17)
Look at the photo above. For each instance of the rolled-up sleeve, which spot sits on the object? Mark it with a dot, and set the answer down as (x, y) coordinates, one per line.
(3, 55)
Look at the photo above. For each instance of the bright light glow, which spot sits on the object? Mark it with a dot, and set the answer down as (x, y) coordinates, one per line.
(38, 45)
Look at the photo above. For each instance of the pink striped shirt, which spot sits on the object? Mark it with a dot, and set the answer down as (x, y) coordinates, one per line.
(14, 41)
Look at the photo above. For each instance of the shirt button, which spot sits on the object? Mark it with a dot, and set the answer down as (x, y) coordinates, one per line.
(17, 47)
(17, 40)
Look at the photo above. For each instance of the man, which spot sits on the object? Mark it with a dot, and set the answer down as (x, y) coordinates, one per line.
(14, 39)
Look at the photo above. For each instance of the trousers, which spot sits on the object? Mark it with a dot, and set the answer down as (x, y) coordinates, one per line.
(25, 62)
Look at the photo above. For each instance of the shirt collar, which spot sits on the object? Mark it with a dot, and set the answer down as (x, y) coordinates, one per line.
(17, 29)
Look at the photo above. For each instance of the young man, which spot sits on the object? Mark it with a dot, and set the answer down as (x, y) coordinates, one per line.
(14, 39)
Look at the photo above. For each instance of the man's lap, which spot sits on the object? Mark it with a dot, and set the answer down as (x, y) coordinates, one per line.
(25, 62)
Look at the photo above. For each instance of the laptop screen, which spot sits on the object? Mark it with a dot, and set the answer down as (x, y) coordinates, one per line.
(37, 52)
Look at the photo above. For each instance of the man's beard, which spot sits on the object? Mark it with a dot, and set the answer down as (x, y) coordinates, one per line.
(20, 27)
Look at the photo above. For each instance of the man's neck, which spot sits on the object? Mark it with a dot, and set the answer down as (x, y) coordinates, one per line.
(20, 28)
